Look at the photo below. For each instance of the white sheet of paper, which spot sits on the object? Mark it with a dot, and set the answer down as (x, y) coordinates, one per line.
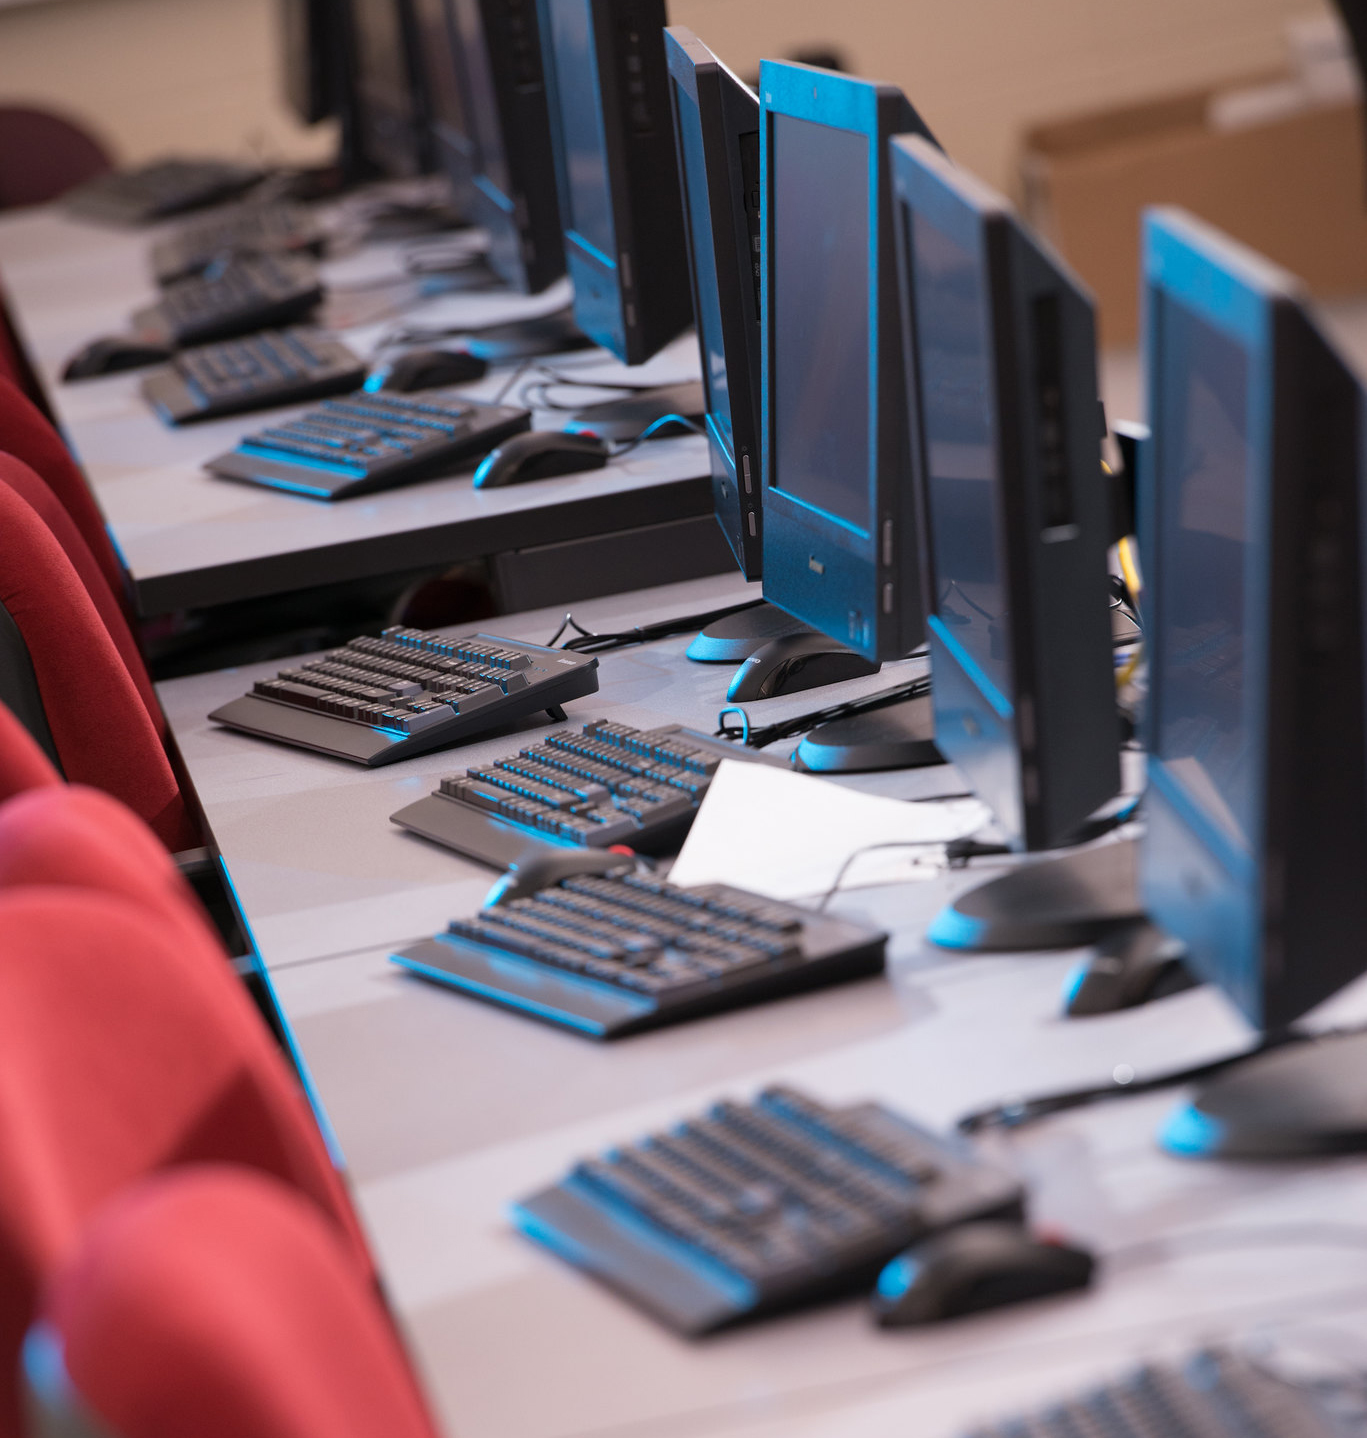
(785, 834)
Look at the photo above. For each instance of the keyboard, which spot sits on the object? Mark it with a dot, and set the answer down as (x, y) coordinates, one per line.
(752, 1208)
(1212, 1394)
(277, 367)
(156, 191)
(612, 954)
(250, 293)
(371, 441)
(375, 701)
(251, 229)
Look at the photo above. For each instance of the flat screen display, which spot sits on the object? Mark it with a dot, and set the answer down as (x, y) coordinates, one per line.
(1202, 728)
(699, 216)
(581, 125)
(954, 373)
(819, 285)
(483, 98)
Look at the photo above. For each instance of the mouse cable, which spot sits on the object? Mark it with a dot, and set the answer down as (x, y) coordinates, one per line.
(649, 432)
(586, 641)
(757, 737)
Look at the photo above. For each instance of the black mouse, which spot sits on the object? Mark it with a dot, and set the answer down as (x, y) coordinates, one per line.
(427, 369)
(794, 662)
(541, 454)
(113, 353)
(546, 866)
(1135, 965)
(973, 1267)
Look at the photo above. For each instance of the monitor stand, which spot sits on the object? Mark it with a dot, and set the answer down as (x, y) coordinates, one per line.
(1293, 1101)
(735, 637)
(1135, 963)
(900, 736)
(1060, 903)
(552, 334)
(627, 419)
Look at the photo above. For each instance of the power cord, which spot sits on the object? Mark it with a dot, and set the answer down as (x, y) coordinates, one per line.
(758, 736)
(586, 641)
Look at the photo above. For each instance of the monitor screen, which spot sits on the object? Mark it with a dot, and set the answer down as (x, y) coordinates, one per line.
(574, 56)
(960, 446)
(1201, 729)
(819, 296)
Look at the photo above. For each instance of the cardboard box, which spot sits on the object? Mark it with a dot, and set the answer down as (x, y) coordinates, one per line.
(1287, 179)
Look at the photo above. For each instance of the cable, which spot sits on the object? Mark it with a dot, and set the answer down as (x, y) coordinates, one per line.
(510, 382)
(672, 419)
(869, 849)
(586, 641)
(757, 738)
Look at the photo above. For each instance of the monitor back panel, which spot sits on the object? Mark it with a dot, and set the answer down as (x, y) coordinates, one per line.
(1014, 516)
(840, 550)
(447, 83)
(391, 92)
(717, 133)
(1257, 801)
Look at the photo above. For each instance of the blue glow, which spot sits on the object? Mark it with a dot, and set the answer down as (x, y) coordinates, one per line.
(485, 465)
(1073, 982)
(898, 1276)
(280, 456)
(44, 1365)
(1189, 1133)
(500, 996)
(548, 1237)
(373, 382)
(952, 930)
(487, 187)
(972, 668)
(592, 249)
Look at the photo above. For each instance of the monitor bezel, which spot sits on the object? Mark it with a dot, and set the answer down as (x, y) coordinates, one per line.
(718, 97)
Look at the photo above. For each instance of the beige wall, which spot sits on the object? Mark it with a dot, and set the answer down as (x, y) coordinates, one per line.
(154, 75)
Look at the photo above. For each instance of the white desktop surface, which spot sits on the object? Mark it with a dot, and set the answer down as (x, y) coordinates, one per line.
(445, 1110)
(190, 539)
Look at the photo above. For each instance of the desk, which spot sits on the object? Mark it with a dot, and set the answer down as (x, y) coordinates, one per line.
(445, 1110)
(191, 541)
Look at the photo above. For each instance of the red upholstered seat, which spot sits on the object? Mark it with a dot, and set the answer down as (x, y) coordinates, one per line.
(26, 434)
(213, 1303)
(42, 155)
(73, 837)
(127, 1048)
(23, 765)
(100, 724)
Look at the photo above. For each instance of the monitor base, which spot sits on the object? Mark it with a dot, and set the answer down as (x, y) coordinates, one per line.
(735, 637)
(1293, 1101)
(900, 736)
(1059, 903)
(552, 334)
(1136, 963)
(624, 419)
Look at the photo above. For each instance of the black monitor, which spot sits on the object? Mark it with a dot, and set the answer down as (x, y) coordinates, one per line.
(1256, 843)
(716, 123)
(390, 89)
(840, 548)
(312, 57)
(616, 173)
(493, 132)
(1014, 512)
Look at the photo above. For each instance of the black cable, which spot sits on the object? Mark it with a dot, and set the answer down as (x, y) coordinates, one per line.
(588, 642)
(757, 738)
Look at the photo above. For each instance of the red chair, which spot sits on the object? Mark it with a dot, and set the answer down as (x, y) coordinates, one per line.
(101, 727)
(73, 837)
(127, 1048)
(23, 765)
(43, 155)
(213, 1303)
(26, 434)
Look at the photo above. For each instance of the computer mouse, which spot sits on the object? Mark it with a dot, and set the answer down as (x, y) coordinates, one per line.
(541, 454)
(545, 866)
(427, 369)
(1135, 965)
(113, 353)
(973, 1267)
(794, 662)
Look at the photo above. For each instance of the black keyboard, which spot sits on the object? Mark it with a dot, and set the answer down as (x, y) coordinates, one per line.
(275, 368)
(612, 954)
(156, 191)
(757, 1207)
(1213, 1394)
(247, 229)
(601, 785)
(378, 700)
(239, 297)
(371, 441)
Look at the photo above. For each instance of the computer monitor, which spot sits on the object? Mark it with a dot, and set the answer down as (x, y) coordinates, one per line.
(840, 548)
(1012, 502)
(1249, 495)
(390, 90)
(447, 84)
(716, 125)
(311, 55)
(616, 173)
(497, 145)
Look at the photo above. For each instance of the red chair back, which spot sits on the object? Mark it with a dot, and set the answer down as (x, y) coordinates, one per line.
(213, 1303)
(43, 155)
(26, 434)
(100, 724)
(23, 765)
(127, 1048)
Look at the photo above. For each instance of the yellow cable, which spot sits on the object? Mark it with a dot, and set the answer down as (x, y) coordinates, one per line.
(1129, 565)
(1125, 673)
